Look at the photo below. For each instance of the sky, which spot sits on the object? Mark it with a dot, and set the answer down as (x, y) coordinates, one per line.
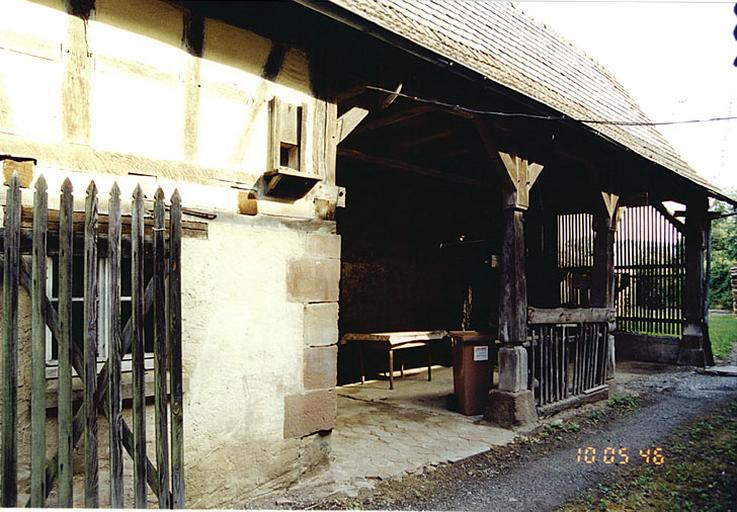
(674, 57)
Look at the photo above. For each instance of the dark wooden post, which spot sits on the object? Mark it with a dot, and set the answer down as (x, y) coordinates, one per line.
(692, 344)
(512, 403)
(602, 276)
(550, 258)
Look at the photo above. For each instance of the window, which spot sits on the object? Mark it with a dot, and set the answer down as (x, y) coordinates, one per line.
(103, 328)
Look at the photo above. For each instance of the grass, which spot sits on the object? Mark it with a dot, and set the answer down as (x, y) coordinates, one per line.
(723, 333)
(699, 473)
(624, 402)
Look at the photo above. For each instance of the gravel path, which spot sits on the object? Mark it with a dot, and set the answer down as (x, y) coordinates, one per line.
(543, 473)
(548, 481)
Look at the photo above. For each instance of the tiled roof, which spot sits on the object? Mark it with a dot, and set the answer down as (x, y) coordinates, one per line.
(501, 42)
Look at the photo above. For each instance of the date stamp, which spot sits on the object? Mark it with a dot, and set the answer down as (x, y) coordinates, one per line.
(619, 455)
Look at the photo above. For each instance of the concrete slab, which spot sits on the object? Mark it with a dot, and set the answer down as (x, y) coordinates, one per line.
(724, 371)
(380, 434)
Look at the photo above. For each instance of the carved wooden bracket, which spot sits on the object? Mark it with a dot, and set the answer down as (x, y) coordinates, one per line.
(522, 176)
(611, 202)
(518, 175)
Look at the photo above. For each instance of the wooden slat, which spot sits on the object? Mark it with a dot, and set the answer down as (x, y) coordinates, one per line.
(190, 228)
(174, 322)
(77, 424)
(64, 396)
(160, 352)
(9, 374)
(138, 350)
(91, 494)
(569, 315)
(38, 342)
(114, 401)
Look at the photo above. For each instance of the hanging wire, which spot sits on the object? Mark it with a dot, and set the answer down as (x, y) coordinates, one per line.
(469, 110)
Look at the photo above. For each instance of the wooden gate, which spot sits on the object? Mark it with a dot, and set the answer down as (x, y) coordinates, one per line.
(59, 244)
(650, 268)
(568, 351)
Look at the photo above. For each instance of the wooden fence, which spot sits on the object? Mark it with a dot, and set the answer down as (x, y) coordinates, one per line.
(139, 238)
(567, 358)
(650, 268)
(575, 258)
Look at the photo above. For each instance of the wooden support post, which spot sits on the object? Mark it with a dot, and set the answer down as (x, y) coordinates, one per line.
(513, 403)
(605, 227)
(520, 176)
(692, 346)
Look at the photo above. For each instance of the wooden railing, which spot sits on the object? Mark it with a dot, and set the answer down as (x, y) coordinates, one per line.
(567, 352)
(78, 352)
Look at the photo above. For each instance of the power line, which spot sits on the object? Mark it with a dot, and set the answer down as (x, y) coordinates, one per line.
(469, 110)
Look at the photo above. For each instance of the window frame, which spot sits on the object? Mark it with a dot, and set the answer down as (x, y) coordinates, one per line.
(103, 328)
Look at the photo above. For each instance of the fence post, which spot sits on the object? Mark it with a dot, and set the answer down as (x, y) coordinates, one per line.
(160, 352)
(138, 349)
(10, 343)
(90, 348)
(38, 346)
(66, 235)
(115, 418)
(174, 322)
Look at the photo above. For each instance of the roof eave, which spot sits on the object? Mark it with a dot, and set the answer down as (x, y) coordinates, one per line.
(362, 24)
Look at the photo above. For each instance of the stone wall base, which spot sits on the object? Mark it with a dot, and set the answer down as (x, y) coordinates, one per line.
(691, 357)
(508, 409)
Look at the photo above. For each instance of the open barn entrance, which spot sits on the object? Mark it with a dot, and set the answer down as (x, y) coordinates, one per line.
(419, 228)
(418, 233)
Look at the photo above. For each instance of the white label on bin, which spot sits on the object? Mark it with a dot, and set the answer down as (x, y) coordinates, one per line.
(480, 353)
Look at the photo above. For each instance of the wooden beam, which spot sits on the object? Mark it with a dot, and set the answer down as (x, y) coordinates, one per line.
(680, 226)
(355, 154)
(569, 315)
(349, 121)
(432, 137)
(394, 118)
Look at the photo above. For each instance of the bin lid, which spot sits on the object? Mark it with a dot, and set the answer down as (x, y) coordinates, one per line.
(472, 336)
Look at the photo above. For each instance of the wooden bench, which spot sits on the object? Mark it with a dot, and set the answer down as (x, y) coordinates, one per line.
(391, 341)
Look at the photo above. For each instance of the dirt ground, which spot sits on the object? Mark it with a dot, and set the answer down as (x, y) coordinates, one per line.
(543, 470)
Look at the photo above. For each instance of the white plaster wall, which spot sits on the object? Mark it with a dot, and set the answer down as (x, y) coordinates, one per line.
(242, 354)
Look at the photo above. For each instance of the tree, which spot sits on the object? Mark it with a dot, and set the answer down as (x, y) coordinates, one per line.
(723, 256)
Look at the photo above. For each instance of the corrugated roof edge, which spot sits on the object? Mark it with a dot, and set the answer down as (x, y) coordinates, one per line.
(359, 21)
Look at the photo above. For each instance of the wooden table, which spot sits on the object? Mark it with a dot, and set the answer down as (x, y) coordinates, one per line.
(391, 341)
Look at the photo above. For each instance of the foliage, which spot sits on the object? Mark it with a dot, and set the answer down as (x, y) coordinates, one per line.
(723, 334)
(625, 402)
(561, 426)
(723, 256)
